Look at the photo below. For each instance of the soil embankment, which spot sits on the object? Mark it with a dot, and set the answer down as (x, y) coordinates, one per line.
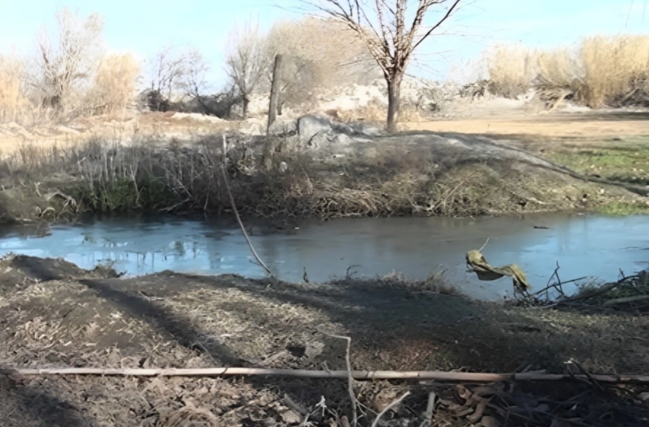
(53, 314)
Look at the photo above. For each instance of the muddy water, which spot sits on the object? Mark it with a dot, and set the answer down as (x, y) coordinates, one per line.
(593, 246)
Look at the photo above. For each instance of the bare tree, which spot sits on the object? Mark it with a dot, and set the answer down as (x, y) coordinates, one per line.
(247, 61)
(391, 31)
(166, 69)
(194, 82)
(68, 62)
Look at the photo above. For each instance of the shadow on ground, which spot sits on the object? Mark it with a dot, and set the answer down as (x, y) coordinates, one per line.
(265, 323)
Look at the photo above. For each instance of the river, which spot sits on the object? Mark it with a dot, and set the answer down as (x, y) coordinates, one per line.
(583, 245)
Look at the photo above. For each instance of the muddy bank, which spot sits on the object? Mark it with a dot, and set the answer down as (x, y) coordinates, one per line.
(333, 171)
(53, 314)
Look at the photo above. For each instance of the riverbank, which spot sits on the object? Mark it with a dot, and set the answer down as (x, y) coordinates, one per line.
(54, 314)
(325, 170)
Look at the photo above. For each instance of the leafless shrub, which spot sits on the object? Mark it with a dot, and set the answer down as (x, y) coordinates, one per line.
(114, 84)
(166, 69)
(247, 61)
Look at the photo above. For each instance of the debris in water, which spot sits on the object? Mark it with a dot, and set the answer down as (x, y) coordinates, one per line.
(486, 272)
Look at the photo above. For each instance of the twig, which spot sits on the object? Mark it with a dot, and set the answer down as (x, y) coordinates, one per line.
(626, 300)
(586, 373)
(483, 246)
(390, 406)
(588, 295)
(349, 373)
(236, 213)
(558, 286)
(303, 373)
(430, 410)
(552, 285)
(347, 275)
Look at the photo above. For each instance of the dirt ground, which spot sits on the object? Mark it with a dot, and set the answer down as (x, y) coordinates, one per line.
(587, 124)
(53, 314)
(482, 120)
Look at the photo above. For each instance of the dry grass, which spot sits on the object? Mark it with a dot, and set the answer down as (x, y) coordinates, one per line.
(12, 99)
(114, 85)
(602, 70)
(411, 176)
(612, 65)
(376, 112)
(511, 69)
(319, 55)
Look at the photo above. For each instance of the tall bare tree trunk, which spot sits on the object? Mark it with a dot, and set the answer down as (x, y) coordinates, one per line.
(274, 91)
(394, 100)
(246, 101)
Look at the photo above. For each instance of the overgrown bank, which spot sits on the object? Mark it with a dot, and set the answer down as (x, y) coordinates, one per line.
(335, 175)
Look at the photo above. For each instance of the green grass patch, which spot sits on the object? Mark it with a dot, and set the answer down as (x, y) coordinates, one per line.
(628, 161)
(622, 208)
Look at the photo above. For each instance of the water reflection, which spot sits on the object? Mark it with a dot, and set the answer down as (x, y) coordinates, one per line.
(417, 247)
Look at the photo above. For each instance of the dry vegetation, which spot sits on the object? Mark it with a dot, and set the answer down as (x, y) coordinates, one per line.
(68, 76)
(456, 176)
(320, 56)
(113, 85)
(601, 70)
(12, 99)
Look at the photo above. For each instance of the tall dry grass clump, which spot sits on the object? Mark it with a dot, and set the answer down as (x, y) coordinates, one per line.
(12, 98)
(114, 84)
(560, 68)
(612, 66)
(320, 55)
(511, 68)
(599, 71)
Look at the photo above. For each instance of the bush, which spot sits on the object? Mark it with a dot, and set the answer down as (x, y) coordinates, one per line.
(114, 84)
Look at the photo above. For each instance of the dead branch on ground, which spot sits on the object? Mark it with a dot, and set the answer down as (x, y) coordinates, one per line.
(350, 377)
(480, 377)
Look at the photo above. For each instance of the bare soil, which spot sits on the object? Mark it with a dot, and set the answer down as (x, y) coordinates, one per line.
(591, 124)
(53, 314)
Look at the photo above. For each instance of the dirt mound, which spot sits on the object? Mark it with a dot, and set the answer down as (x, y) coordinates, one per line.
(172, 320)
(19, 271)
(319, 169)
(455, 174)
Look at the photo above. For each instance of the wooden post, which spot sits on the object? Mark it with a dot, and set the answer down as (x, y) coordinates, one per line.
(274, 92)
